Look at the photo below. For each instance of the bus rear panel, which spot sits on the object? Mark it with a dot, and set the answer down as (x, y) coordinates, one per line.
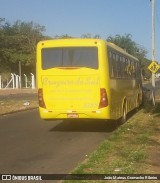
(70, 77)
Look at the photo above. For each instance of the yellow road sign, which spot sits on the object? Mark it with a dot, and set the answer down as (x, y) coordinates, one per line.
(153, 67)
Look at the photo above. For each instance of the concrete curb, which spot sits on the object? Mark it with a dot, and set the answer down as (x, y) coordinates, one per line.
(17, 111)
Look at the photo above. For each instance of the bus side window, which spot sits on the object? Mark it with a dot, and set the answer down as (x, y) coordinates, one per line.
(133, 69)
(121, 66)
(138, 71)
(129, 69)
(126, 68)
(111, 64)
(118, 66)
(114, 65)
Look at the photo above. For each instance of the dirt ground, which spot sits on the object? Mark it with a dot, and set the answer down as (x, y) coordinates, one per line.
(16, 91)
(13, 100)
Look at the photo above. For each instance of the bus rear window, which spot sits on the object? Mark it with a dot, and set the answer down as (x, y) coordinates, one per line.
(70, 57)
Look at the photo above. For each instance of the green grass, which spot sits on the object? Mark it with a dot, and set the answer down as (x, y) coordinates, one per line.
(149, 108)
(126, 150)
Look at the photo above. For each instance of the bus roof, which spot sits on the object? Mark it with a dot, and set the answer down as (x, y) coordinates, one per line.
(119, 49)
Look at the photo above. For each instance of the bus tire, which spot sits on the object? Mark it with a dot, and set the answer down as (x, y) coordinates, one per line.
(138, 102)
(124, 114)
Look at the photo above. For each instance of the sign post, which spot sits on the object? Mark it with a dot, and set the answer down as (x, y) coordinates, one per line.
(153, 67)
(153, 52)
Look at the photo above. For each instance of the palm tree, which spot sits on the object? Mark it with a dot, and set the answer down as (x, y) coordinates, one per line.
(125, 42)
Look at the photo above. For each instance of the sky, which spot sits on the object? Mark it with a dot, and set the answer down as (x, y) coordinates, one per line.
(78, 17)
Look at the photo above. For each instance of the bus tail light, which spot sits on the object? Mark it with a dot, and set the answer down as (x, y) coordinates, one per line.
(40, 98)
(103, 98)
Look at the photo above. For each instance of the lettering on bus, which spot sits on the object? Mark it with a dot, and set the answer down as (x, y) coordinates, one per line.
(50, 81)
(73, 91)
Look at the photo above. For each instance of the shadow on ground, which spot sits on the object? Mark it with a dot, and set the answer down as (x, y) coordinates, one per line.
(90, 125)
(85, 125)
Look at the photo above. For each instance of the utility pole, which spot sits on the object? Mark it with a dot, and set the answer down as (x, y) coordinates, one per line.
(153, 51)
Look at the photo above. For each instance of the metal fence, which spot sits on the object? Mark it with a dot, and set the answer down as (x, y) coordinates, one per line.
(16, 81)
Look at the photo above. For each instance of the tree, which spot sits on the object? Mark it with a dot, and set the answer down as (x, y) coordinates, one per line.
(18, 44)
(88, 35)
(126, 43)
(63, 36)
(145, 71)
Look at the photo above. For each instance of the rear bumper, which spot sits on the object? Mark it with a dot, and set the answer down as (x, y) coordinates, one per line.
(103, 113)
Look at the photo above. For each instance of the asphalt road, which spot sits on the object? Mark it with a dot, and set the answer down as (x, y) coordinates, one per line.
(30, 145)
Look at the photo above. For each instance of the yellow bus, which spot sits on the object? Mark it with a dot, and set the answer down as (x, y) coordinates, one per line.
(86, 78)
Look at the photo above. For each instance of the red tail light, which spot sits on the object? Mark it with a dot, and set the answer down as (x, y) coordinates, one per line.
(103, 98)
(40, 98)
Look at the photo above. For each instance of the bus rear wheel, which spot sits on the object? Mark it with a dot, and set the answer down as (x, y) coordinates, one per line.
(138, 103)
(124, 114)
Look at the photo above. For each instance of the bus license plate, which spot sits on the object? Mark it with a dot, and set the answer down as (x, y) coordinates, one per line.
(71, 115)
